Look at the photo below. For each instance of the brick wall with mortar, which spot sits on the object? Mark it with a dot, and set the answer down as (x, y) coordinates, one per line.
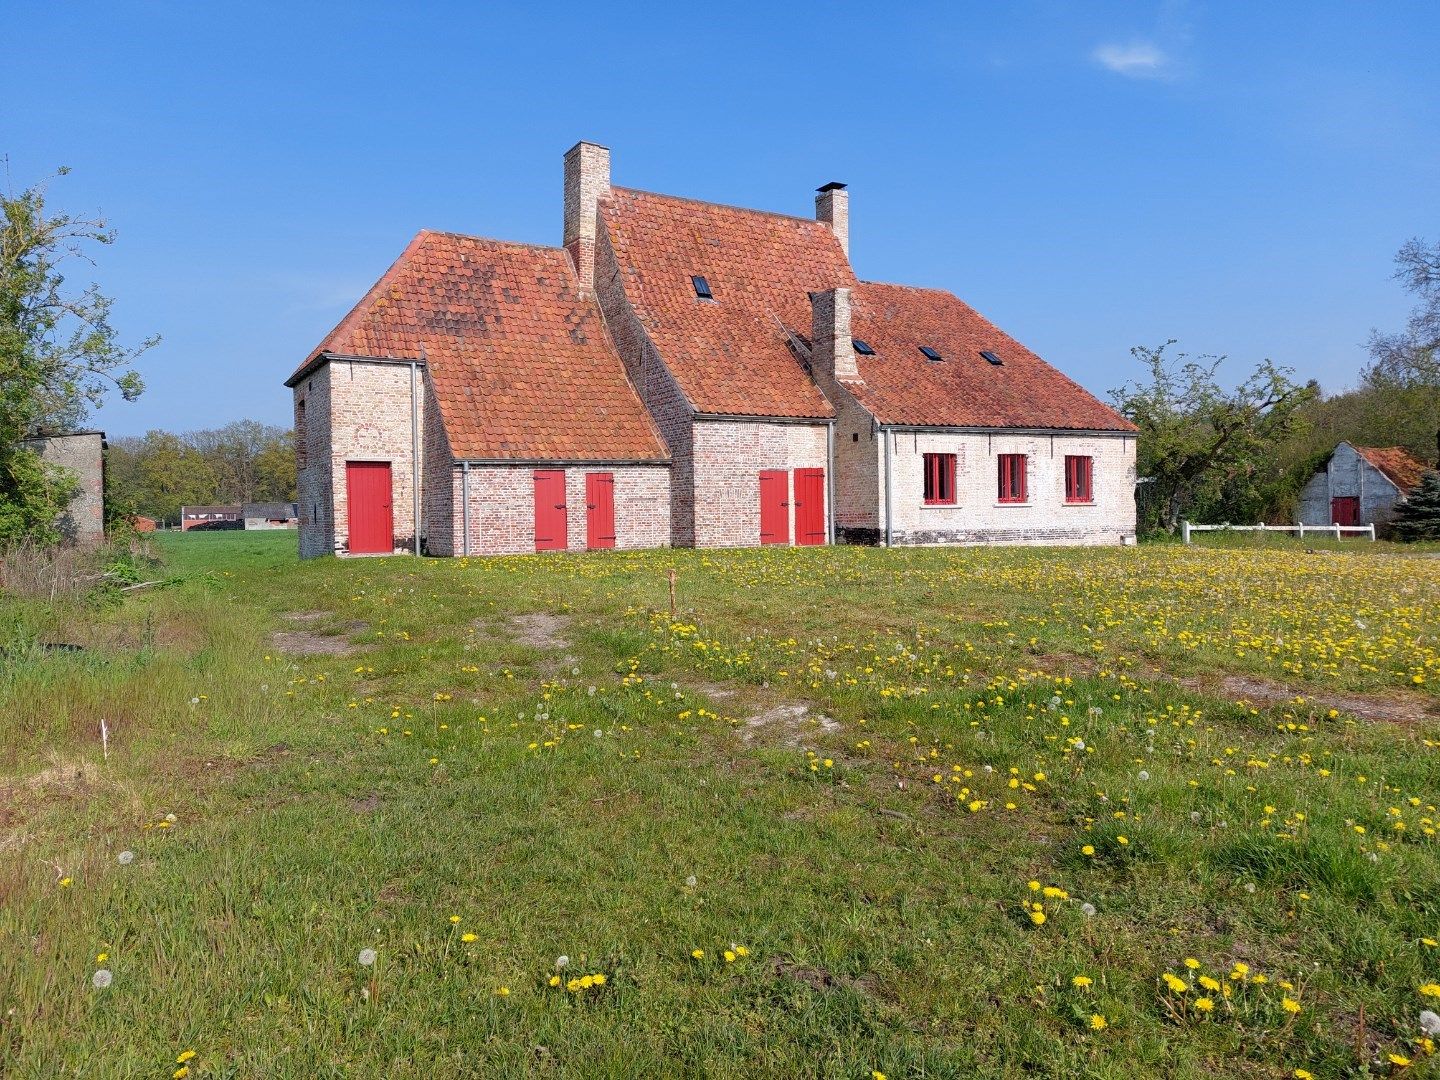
(313, 473)
(978, 516)
(364, 409)
(83, 454)
(728, 458)
(439, 490)
(658, 390)
(502, 507)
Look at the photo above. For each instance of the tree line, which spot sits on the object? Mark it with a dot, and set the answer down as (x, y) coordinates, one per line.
(156, 473)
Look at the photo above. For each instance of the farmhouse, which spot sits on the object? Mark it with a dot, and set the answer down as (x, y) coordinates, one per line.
(682, 372)
(1360, 485)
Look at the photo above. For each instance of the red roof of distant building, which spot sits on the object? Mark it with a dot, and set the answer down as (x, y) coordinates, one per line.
(902, 386)
(521, 365)
(732, 354)
(1399, 467)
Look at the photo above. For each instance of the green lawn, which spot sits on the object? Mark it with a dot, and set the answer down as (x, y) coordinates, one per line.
(801, 828)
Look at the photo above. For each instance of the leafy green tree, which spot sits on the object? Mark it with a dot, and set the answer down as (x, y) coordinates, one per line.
(1205, 451)
(1419, 516)
(59, 355)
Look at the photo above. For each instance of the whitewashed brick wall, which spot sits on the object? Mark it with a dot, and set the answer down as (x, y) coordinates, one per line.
(1044, 518)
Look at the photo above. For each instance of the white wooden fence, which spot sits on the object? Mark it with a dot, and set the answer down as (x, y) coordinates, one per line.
(1334, 530)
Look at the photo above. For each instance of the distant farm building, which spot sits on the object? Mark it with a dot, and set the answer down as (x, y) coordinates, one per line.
(141, 523)
(270, 516)
(82, 453)
(1360, 485)
(210, 518)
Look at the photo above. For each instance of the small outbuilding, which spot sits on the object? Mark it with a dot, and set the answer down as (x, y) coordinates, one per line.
(83, 454)
(210, 518)
(271, 515)
(1360, 485)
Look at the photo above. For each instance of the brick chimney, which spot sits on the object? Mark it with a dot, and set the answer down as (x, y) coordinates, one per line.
(587, 180)
(832, 206)
(832, 353)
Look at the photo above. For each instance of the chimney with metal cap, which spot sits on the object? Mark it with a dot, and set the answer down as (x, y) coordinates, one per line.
(587, 181)
(832, 206)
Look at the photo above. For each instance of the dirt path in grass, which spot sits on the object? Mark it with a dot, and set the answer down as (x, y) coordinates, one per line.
(1393, 707)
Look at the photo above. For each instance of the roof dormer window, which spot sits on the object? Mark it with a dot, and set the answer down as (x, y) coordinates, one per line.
(702, 288)
(862, 347)
(930, 354)
(990, 356)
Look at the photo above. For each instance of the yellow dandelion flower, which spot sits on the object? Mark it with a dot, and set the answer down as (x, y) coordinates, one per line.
(184, 1056)
(1088, 849)
(1037, 917)
(698, 954)
(1082, 981)
(1290, 1005)
(1431, 989)
(1175, 983)
(1191, 963)
(467, 937)
(1098, 1022)
(1204, 1004)
(554, 980)
(1398, 1059)
(1208, 983)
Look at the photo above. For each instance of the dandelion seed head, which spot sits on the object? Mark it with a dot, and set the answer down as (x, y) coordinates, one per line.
(561, 963)
(1087, 909)
(101, 979)
(367, 957)
(125, 858)
(1430, 1022)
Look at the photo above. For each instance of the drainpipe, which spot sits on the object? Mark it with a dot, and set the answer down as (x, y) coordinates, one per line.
(415, 449)
(830, 482)
(465, 506)
(885, 434)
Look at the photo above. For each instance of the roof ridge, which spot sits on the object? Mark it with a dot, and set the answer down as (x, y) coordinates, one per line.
(720, 205)
(490, 240)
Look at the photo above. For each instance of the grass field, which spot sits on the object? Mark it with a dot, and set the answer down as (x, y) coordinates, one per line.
(919, 813)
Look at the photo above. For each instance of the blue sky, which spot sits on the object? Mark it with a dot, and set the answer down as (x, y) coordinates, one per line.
(1091, 176)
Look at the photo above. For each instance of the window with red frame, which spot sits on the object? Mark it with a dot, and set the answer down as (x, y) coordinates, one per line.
(1078, 472)
(1012, 478)
(939, 479)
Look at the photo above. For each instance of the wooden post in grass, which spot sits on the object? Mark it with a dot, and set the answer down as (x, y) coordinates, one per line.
(1185, 531)
(672, 592)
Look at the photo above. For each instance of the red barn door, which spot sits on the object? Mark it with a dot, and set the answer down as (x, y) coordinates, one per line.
(550, 522)
(599, 510)
(369, 499)
(774, 506)
(1345, 510)
(809, 506)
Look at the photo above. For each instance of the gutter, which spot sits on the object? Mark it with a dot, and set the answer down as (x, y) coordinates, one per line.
(465, 506)
(830, 483)
(885, 434)
(415, 450)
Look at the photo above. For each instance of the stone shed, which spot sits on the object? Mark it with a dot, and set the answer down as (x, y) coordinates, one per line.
(83, 453)
(1359, 485)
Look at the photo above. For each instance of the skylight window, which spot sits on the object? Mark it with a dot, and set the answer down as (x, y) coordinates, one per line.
(862, 347)
(988, 355)
(931, 354)
(702, 288)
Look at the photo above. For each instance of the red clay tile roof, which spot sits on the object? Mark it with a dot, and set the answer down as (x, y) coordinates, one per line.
(1399, 467)
(732, 354)
(964, 390)
(521, 365)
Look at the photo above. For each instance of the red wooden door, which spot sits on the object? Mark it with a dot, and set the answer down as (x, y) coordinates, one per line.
(550, 521)
(1345, 510)
(599, 510)
(774, 506)
(369, 503)
(809, 506)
